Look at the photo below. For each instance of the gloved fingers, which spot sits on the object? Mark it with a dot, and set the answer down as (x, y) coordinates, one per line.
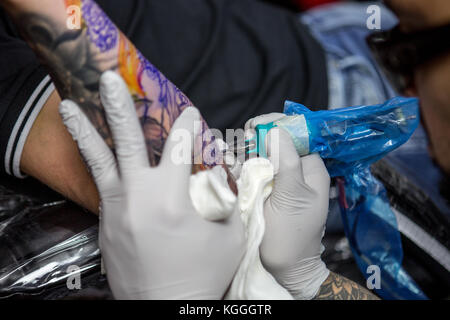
(263, 119)
(99, 158)
(281, 152)
(315, 173)
(178, 150)
(123, 122)
(318, 181)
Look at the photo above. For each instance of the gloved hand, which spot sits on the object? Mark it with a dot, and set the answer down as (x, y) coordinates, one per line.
(154, 245)
(295, 213)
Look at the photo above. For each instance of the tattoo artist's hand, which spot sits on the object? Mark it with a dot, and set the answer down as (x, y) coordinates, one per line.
(295, 214)
(154, 245)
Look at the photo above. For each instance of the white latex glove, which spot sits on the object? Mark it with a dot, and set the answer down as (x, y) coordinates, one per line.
(295, 213)
(154, 245)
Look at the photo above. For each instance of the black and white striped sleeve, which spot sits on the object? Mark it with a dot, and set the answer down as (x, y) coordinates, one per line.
(19, 118)
(24, 89)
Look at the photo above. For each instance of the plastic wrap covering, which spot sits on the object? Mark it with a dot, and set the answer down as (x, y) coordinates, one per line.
(350, 140)
(43, 245)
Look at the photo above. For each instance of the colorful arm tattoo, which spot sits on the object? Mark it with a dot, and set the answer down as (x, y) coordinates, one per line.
(336, 287)
(76, 58)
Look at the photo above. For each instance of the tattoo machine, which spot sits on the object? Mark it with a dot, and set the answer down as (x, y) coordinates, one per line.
(349, 140)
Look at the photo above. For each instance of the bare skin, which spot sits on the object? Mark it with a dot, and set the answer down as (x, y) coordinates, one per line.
(432, 80)
(51, 156)
(419, 14)
(433, 87)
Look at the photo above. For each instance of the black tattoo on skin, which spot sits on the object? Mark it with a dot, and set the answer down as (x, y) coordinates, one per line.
(336, 287)
(76, 59)
(76, 69)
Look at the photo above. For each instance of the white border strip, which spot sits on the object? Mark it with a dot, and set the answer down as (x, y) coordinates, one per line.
(423, 240)
(12, 138)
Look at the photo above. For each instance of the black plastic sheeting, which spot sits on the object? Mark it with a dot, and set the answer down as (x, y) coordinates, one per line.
(40, 238)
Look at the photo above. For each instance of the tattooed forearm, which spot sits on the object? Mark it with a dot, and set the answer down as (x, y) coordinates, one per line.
(336, 287)
(76, 58)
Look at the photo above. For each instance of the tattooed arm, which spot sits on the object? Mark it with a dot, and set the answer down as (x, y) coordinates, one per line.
(75, 59)
(337, 287)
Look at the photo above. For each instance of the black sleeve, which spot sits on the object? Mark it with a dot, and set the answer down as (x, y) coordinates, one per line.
(24, 89)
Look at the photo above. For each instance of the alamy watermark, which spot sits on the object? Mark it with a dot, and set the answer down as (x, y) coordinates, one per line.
(373, 21)
(73, 281)
(374, 280)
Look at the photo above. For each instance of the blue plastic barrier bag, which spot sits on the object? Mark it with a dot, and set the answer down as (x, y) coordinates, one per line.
(350, 140)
